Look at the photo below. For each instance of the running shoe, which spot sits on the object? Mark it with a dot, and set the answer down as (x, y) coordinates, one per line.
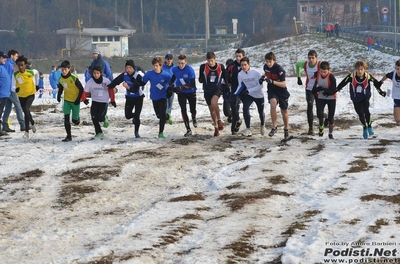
(161, 135)
(26, 135)
(365, 133)
(285, 134)
(137, 135)
(330, 136)
(33, 128)
(273, 131)
(237, 126)
(99, 136)
(67, 139)
(321, 131)
(105, 123)
(370, 131)
(194, 120)
(188, 133)
(247, 132)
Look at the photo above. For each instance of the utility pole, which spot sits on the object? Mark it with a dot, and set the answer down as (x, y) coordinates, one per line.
(141, 14)
(395, 28)
(207, 23)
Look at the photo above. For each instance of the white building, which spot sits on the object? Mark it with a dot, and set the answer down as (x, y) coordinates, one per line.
(109, 41)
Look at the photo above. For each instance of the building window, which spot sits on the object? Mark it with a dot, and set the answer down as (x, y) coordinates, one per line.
(102, 39)
(313, 10)
(109, 38)
(95, 39)
(303, 9)
(116, 38)
(346, 9)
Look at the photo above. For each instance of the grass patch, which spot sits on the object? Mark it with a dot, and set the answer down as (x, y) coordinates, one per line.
(241, 247)
(378, 225)
(388, 198)
(376, 151)
(336, 191)
(175, 235)
(278, 179)
(191, 197)
(358, 165)
(24, 176)
(316, 149)
(238, 201)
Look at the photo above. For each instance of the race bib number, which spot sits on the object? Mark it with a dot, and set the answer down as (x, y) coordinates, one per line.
(19, 79)
(159, 86)
(182, 81)
(212, 78)
(359, 89)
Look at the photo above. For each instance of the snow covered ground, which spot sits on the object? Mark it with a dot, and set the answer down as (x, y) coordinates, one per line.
(203, 199)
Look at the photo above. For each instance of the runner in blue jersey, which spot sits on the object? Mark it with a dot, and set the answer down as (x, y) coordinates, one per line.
(185, 86)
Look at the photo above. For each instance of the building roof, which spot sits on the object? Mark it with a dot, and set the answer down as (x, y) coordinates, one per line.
(114, 31)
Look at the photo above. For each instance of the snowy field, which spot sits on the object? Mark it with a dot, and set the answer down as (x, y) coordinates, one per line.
(203, 199)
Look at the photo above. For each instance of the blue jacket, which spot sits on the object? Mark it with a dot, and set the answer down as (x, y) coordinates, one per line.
(185, 76)
(5, 82)
(53, 79)
(41, 83)
(107, 71)
(159, 83)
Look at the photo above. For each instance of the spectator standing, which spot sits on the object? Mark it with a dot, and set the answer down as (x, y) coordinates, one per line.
(378, 42)
(53, 81)
(337, 29)
(370, 41)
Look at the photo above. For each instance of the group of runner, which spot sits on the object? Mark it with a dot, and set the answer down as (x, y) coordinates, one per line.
(237, 82)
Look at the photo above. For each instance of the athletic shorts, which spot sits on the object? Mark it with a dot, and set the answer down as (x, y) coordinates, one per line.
(68, 107)
(209, 96)
(283, 100)
(396, 102)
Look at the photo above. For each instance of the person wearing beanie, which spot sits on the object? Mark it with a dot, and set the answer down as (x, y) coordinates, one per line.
(131, 80)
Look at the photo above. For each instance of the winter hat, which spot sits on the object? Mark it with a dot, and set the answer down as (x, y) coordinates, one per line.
(169, 56)
(130, 63)
(2, 54)
(96, 51)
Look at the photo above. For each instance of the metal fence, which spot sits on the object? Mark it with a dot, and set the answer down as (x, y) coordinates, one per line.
(360, 34)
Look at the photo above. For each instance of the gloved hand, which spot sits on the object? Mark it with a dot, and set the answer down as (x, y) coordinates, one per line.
(37, 88)
(316, 89)
(299, 82)
(113, 104)
(177, 89)
(328, 92)
(268, 80)
(17, 90)
(261, 80)
(86, 102)
(58, 99)
(383, 93)
(169, 92)
(378, 84)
